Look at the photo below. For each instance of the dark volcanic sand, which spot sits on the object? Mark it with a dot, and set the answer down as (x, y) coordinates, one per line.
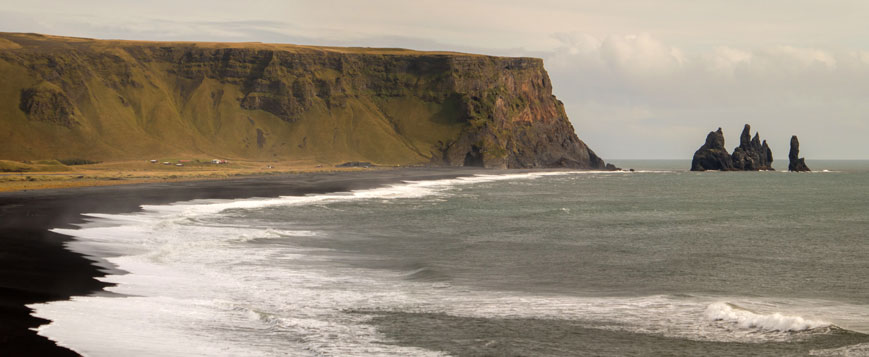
(35, 267)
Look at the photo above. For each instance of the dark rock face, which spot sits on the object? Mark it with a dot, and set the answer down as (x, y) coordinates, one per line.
(47, 104)
(750, 155)
(474, 157)
(796, 163)
(712, 155)
(514, 120)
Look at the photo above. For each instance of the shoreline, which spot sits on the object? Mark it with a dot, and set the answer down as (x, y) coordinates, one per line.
(36, 267)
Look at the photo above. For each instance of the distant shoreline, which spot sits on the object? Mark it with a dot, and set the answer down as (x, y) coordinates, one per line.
(35, 266)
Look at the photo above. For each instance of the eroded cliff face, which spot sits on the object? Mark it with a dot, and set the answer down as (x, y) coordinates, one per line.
(130, 100)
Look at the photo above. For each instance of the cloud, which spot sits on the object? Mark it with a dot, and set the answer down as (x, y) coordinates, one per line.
(726, 61)
(639, 88)
(640, 55)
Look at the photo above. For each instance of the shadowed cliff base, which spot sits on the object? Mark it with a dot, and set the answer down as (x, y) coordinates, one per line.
(126, 100)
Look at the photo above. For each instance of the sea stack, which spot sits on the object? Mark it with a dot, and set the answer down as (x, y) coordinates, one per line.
(712, 155)
(751, 154)
(796, 163)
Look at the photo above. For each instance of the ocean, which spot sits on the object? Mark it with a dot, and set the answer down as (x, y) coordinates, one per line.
(660, 261)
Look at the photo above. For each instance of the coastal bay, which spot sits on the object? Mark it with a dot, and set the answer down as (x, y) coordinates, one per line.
(36, 267)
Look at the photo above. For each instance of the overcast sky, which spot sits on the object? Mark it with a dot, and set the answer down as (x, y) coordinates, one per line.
(639, 79)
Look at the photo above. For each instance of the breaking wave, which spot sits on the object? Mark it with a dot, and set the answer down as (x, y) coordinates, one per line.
(725, 312)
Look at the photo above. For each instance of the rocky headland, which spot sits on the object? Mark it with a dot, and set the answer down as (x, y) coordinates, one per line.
(752, 154)
(796, 163)
(128, 100)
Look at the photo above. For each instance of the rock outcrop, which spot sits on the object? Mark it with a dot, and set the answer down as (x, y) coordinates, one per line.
(110, 100)
(48, 104)
(750, 155)
(712, 155)
(796, 163)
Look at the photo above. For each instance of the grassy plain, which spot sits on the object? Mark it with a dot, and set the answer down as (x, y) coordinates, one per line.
(48, 174)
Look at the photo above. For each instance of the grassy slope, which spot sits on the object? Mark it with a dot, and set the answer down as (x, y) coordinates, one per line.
(174, 116)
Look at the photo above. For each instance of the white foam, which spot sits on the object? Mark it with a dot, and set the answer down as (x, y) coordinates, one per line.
(721, 311)
(407, 189)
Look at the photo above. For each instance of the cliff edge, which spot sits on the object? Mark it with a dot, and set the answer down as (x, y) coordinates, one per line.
(112, 100)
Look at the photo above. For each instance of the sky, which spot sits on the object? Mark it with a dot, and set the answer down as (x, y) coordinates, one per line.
(639, 79)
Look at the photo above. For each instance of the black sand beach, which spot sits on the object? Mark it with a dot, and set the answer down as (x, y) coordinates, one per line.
(35, 267)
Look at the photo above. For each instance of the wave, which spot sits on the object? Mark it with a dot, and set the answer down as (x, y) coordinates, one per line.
(743, 318)
(426, 274)
(406, 189)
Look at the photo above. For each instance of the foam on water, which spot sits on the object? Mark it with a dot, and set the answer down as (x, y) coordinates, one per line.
(408, 189)
(743, 318)
(203, 281)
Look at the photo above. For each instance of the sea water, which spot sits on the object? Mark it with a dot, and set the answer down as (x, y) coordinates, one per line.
(653, 262)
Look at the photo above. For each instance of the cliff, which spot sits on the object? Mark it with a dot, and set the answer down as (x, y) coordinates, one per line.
(750, 155)
(113, 100)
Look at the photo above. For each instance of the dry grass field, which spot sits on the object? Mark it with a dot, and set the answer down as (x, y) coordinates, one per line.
(48, 174)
